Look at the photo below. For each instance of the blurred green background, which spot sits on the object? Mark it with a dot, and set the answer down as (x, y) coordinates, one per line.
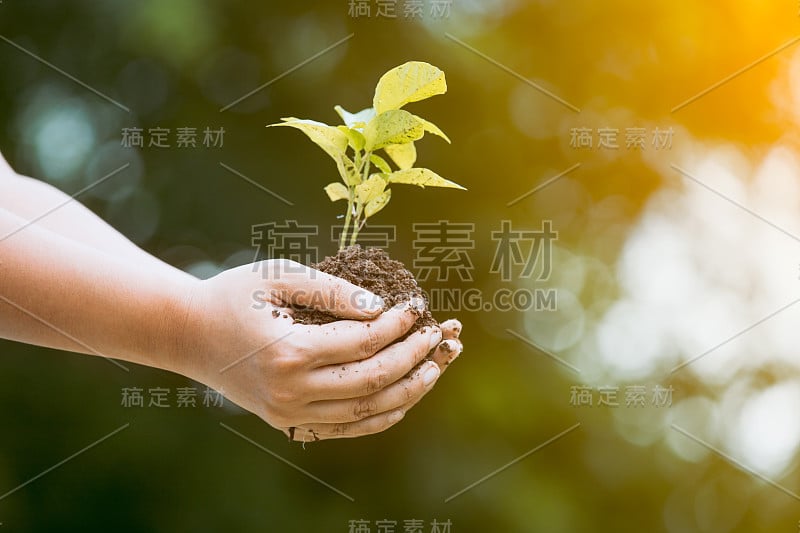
(652, 268)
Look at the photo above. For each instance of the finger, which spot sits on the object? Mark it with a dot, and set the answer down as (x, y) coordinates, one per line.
(361, 378)
(388, 399)
(451, 329)
(345, 341)
(304, 286)
(446, 352)
(367, 426)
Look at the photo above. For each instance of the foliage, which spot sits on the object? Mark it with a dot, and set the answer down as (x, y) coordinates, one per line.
(354, 146)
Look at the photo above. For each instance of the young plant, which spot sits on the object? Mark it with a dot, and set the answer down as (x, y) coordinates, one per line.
(355, 146)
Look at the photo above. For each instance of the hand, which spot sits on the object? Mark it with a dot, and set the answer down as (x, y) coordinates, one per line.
(414, 387)
(342, 379)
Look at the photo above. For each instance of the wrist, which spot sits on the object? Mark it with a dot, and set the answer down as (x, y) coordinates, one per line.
(179, 334)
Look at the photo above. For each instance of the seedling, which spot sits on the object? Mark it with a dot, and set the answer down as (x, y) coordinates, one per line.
(354, 146)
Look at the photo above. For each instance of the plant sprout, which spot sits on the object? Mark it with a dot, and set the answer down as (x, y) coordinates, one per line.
(385, 126)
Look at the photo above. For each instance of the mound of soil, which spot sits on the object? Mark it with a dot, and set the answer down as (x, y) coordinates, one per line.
(371, 269)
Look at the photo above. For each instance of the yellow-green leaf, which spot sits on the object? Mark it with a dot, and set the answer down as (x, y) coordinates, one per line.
(430, 127)
(329, 138)
(378, 203)
(370, 189)
(392, 127)
(422, 177)
(336, 191)
(381, 163)
(347, 171)
(403, 155)
(355, 137)
(409, 82)
(355, 120)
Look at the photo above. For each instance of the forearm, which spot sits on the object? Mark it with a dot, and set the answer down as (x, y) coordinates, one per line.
(50, 208)
(63, 294)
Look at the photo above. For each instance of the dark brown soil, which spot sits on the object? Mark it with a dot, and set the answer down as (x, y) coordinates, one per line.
(374, 270)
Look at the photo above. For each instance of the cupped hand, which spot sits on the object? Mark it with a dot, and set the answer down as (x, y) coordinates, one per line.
(342, 379)
(413, 388)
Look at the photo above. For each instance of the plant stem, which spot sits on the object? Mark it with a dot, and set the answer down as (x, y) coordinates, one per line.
(362, 165)
(357, 222)
(356, 226)
(343, 237)
(366, 166)
(348, 214)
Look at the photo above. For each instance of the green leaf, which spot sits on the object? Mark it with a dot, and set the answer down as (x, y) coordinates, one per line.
(370, 189)
(381, 163)
(422, 177)
(351, 179)
(329, 138)
(348, 171)
(409, 82)
(403, 155)
(337, 191)
(392, 127)
(378, 203)
(355, 120)
(430, 127)
(355, 137)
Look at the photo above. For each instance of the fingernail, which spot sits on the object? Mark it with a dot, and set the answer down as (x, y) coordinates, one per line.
(448, 346)
(395, 417)
(418, 304)
(435, 339)
(431, 374)
(452, 326)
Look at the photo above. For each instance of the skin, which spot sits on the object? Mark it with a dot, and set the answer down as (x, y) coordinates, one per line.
(70, 281)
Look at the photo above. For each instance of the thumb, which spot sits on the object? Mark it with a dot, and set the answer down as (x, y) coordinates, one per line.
(305, 286)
